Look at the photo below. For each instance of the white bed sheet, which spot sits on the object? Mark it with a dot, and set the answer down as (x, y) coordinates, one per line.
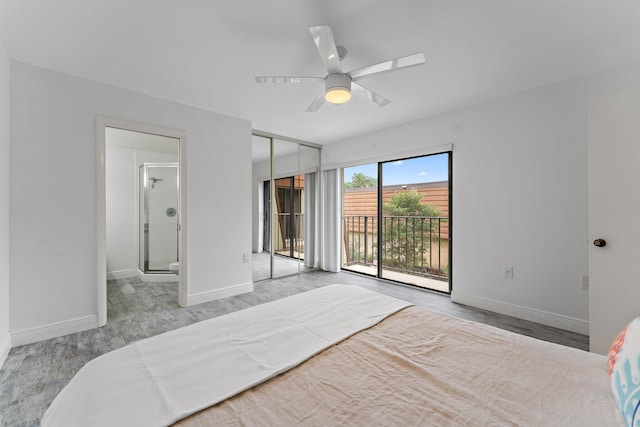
(162, 379)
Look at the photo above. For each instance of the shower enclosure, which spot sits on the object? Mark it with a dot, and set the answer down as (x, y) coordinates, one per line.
(158, 206)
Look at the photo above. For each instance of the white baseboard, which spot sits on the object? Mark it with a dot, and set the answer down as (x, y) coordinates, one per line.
(5, 347)
(157, 277)
(122, 274)
(216, 294)
(53, 330)
(566, 323)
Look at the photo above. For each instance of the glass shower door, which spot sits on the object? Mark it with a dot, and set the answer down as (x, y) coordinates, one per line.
(159, 216)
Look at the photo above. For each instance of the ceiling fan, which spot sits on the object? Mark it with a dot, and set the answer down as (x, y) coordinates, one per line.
(340, 85)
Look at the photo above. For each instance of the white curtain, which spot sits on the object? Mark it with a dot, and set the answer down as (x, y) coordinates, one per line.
(310, 215)
(332, 219)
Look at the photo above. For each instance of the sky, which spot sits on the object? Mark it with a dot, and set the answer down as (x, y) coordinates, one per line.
(408, 171)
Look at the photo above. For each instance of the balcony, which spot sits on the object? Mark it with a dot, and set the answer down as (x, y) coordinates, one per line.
(414, 249)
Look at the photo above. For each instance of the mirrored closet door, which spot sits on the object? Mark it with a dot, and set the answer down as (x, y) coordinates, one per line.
(286, 183)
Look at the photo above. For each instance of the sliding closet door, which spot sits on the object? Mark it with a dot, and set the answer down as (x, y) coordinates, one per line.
(261, 207)
(286, 208)
(309, 243)
(286, 203)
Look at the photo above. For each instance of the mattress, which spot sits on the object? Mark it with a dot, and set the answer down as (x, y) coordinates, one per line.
(339, 355)
(422, 368)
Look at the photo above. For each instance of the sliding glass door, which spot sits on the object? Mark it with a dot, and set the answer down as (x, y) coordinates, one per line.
(396, 220)
(360, 219)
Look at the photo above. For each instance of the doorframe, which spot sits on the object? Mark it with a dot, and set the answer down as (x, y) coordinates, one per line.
(102, 123)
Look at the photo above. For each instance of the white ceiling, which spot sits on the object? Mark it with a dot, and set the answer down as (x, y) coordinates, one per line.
(205, 53)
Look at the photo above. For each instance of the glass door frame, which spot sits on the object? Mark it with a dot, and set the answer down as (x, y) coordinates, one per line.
(144, 216)
(380, 223)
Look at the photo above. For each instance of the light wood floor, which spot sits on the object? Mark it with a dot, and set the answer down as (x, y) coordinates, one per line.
(33, 374)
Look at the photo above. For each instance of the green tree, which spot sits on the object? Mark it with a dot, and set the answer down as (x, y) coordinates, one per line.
(360, 180)
(406, 229)
(408, 203)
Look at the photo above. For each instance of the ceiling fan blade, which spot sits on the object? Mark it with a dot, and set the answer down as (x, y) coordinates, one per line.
(283, 79)
(323, 38)
(316, 104)
(384, 67)
(368, 94)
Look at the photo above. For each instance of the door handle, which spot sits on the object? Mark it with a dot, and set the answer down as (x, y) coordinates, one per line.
(601, 243)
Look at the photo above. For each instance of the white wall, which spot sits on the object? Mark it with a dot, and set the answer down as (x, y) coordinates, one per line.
(5, 339)
(122, 206)
(519, 194)
(52, 202)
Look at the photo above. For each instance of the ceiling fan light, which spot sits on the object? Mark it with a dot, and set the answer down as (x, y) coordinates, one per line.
(337, 88)
(338, 95)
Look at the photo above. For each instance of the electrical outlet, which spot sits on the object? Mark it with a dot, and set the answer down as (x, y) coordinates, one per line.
(584, 282)
(245, 258)
(508, 272)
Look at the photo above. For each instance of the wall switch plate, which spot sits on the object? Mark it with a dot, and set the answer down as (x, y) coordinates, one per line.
(245, 258)
(584, 282)
(508, 272)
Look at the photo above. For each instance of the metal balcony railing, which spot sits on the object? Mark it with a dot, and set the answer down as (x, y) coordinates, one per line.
(415, 245)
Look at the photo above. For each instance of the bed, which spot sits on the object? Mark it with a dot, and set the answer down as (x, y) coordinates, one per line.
(339, 355)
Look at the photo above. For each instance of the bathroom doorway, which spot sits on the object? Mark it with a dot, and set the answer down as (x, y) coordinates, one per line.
(140, 212)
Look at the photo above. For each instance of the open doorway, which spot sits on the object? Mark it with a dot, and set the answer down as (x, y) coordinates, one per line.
(140, 215)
